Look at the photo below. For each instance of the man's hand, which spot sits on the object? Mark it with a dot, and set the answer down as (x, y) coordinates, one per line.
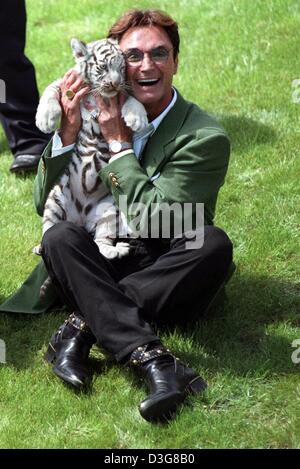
(71, 118)
(112, 124)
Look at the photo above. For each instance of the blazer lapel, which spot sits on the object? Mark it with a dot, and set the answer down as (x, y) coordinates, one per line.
(154, 153)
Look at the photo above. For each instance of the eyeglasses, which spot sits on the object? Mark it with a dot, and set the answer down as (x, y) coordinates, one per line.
(157, 55)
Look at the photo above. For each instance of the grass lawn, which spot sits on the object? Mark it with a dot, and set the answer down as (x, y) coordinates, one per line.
(238, 61)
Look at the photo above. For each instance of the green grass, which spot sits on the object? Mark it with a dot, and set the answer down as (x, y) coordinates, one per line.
(238, 60)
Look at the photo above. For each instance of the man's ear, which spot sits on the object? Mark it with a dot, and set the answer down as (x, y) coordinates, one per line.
(79, 49)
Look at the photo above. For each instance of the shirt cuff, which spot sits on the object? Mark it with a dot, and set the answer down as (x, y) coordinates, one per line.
(119, 155)
(57, 146)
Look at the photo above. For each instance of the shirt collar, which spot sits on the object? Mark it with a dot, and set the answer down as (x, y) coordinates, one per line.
(149, 130)
(161, 116)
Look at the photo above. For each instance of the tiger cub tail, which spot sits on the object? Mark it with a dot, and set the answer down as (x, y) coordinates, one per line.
(44, 288)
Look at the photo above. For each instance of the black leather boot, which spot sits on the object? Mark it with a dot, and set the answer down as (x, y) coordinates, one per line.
(169, 381)
(69, 349)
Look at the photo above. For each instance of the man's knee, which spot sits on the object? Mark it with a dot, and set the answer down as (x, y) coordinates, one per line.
(218, 244)
(61, 235)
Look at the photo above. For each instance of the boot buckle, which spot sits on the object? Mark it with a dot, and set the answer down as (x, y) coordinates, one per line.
(141, 355)
(78, 323)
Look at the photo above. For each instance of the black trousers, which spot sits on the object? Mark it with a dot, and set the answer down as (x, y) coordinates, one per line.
(159, 282)
(17, 114)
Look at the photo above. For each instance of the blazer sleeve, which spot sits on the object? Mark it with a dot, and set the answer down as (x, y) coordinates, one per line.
(194, 169)
(49, 170)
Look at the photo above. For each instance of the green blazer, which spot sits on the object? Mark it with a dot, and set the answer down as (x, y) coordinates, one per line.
(188, 154)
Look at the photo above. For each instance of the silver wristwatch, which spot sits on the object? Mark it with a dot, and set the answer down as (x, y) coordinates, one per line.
(115, 146)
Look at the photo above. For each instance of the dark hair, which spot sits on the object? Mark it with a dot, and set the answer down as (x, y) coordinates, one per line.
(134, 18)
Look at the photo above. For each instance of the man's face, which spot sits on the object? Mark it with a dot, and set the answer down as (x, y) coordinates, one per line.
(157, 94)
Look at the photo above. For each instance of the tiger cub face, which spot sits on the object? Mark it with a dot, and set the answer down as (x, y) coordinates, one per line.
(101, 64)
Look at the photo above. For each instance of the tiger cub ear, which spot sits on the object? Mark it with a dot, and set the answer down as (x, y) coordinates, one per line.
(79, 49)
(113, 40)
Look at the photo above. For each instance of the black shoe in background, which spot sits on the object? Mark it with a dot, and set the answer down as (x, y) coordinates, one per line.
(25, 163)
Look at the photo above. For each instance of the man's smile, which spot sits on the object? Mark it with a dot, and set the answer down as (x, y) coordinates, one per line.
(148, 82)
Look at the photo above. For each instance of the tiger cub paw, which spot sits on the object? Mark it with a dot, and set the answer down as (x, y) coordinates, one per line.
(122, 249)
(37, 250)
(136, 122)
(48, 115)
(112, 252)
(134, 114)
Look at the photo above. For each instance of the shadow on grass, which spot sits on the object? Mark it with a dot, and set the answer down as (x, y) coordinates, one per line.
(26, 336)
(245, 132)
(26, 174)
(246, 336)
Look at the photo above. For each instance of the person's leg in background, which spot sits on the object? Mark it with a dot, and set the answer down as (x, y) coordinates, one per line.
(17, 114)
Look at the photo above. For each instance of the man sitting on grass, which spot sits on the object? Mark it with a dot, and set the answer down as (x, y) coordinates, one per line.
(183, 159)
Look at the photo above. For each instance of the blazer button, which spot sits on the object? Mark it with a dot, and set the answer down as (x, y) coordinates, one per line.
(114, 179)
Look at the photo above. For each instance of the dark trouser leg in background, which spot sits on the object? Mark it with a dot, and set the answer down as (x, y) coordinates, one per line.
(17, 114)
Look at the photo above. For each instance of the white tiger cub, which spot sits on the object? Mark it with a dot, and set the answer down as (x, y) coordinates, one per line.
(79, 196)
